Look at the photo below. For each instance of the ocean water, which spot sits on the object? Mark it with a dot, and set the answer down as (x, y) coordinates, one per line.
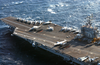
(71, 13)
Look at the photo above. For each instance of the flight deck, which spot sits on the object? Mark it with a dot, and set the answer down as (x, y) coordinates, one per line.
(73, 48)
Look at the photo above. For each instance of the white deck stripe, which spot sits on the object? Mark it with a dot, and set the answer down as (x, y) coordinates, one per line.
(36, 38)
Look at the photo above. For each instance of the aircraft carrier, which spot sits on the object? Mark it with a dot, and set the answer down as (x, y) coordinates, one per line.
(68, 44)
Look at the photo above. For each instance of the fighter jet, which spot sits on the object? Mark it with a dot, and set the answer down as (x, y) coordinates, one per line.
(50, 28)
(29, 22)
(92, 59)
(61, 42)
(77, 31)
(68, 29)
(48, 22)
(34, 28)
(18, 19)
(22, 20)
(98, 64)
(40, 22)
(63, 29)
(73, 29)
(83, 58)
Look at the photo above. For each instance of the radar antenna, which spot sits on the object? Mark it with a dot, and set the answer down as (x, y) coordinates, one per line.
(89, 19)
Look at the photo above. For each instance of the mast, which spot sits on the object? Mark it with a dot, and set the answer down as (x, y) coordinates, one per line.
(89, 19)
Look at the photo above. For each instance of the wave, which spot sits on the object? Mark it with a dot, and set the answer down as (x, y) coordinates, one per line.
(4, 26)
(14, 11)
(51, 11)
(52, 6)
(19, 2)
(61, 5)
(1, 13)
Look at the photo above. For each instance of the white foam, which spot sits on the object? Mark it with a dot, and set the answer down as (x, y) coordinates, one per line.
(38, 17)
(61, 4)
(52, 6)
(23, 14)
(21, 1)
(2, 7)
(14, 10)
(28, 18)
(5, 5)
(51, 11)
(1, 13)
(4, 26)
(67, 5)
(57, 5)
(70, 16)
(18, 2)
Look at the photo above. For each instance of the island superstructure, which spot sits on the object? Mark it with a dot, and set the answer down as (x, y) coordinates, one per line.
(78, 46)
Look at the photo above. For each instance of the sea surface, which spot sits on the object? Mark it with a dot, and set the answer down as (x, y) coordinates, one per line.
(70, 13)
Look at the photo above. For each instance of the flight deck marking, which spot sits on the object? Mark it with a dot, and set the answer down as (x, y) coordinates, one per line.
(16, 27)
(87, 51)
(37, 38)
(44, 40)
(54, 37)
(15, 33)
(41, 34)
(26, 30)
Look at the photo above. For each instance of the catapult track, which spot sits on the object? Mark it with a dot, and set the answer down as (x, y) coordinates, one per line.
(47, 39)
